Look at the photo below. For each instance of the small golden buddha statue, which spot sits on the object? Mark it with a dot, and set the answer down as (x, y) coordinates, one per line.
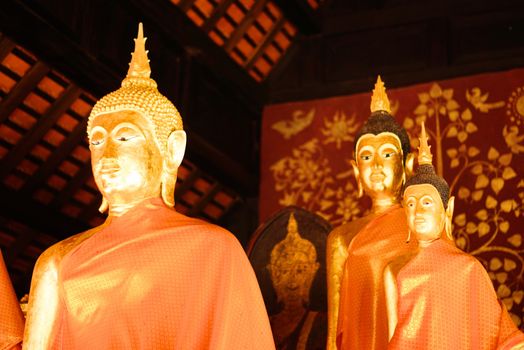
(443, 298)
(293, 266)
(148, 277)
(357, 252)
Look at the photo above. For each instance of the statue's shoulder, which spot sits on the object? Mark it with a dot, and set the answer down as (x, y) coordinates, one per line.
(53, 255)
(350, 229)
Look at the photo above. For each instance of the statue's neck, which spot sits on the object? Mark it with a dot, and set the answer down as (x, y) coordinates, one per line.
(119, 209)
(380, 205)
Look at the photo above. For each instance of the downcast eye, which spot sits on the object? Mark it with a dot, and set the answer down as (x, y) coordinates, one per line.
(125, 138)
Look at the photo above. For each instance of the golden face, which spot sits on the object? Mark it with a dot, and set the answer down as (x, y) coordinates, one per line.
(126, 161)
(379, 161)
(425, 212)
(292, 277)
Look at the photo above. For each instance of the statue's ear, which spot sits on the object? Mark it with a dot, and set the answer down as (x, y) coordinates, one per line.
(176, 147)
(449, 217)
(356, 173)
(410, 164)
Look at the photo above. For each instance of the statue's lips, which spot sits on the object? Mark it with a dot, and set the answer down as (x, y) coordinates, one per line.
(108, 170)
(419, 221)
(377, 177)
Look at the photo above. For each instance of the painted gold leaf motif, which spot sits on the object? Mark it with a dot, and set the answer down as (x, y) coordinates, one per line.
(477, 136)
(298, 122)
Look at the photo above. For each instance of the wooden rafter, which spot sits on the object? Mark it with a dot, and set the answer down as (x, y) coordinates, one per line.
(45, 122)
(249, 18)
(22, 240)
(218, 12)
(180, 189)
(199, 206)
(25, 209)
(72, 186)
(185, 4)
(6, 46)
(268, 39)
(22, 89)
(56, 158)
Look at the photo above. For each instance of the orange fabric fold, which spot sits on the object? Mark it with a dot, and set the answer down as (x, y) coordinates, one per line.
(156, 279)
(447, 301)
(11, 317)
(363, 320)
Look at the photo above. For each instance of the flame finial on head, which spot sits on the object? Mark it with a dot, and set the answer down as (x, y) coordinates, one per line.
(139, 65)
(285, 250)
(424, 149)
(379, 99)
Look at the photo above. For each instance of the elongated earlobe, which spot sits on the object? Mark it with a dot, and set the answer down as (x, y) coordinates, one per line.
(103, 206)
(176, 147)
(408, 167)
(449, 216)
(356, 173)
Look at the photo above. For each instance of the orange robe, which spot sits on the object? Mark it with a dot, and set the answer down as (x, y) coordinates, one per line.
(363, 322)
(446, 301)
(11, 317)
(156, 279)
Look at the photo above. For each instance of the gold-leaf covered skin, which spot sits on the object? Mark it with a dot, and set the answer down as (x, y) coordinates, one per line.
(136, 112)
(379, 172)
(474, 317)
(139, 93)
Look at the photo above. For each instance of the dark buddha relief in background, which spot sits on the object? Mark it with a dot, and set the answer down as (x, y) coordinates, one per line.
(288, 255)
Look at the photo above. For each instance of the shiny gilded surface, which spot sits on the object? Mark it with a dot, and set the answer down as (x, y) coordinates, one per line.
(444, 297)
(148, 278)
(11, 318)
(358, 252)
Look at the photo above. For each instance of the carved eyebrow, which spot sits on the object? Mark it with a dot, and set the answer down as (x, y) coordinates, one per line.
(366, 148)
(388, 146)
(126, 125)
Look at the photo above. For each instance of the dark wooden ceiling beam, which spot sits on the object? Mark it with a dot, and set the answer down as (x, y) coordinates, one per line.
(178, 28)
(185, 4)
(6, 46)
(244, 25)
(24, 86)
(41, 217)
(188, 182)
(200, 205)
(81, 176)
(91, 210)
(42, 126)
(218, 13)
(57, 157)
(301, 15)
(22, 240)
(268, 39)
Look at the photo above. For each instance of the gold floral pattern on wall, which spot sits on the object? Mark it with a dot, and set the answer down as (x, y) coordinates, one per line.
(476, 129)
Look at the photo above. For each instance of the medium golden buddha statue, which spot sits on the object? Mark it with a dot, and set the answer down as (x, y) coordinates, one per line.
(293, 266)
(444, 298)
(149, 277)
(11, 318)
(358, 252)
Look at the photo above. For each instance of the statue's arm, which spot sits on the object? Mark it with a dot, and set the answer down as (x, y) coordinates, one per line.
(43, 302)
(336, 256)
(390, 286)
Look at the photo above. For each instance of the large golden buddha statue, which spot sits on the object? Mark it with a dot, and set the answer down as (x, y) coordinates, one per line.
(149, 277)
(11, 318)
(444, 298)
(358, 252)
